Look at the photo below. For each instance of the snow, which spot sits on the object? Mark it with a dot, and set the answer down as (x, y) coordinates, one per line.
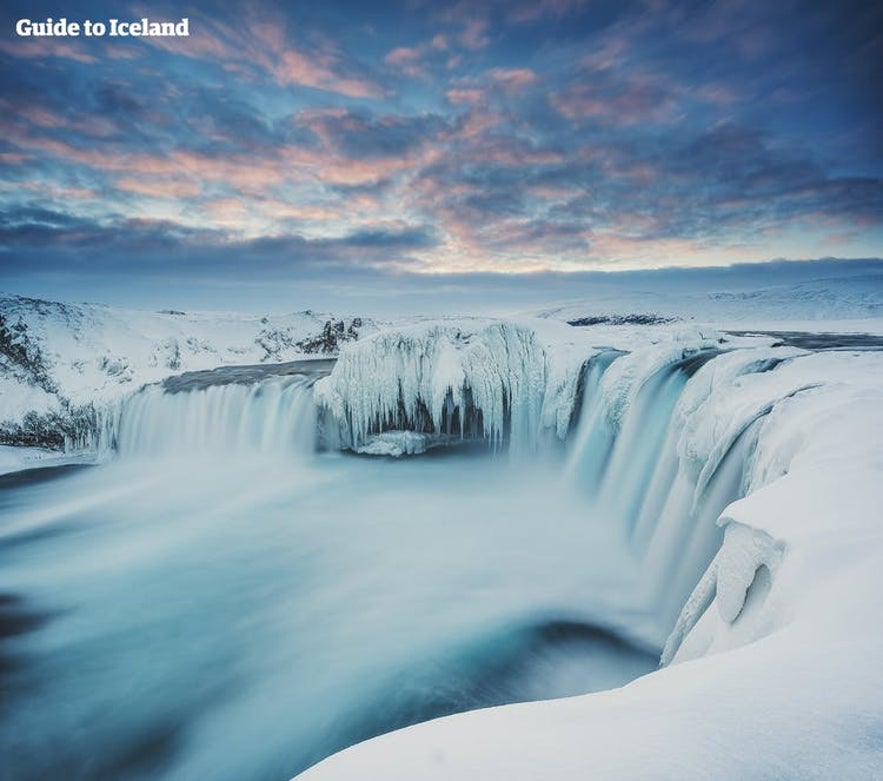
(17, 398)
(16, 459)
(395, 444)
(98, 352)
(98, 355)
(836, 298)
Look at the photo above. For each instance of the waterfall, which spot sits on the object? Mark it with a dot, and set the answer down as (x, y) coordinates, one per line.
(635, 425)
(272, 416)
(652, 455)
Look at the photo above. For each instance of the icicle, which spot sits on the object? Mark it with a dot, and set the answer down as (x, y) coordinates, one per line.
(497, 381)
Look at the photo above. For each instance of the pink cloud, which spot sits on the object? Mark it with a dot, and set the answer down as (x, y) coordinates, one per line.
(631, 100)
(477, 122)
(465, 97)
(551, 193)
(474, 35)
(46, 47)
(13, 158)
(402, 55)
(514, 79)
(280, 209)
(263, 44)
(609, 54)
(407, 60)
(167, 187)
(511, 154)
(41, 116)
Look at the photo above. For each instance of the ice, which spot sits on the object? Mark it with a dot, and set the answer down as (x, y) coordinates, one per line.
(745, 565)
(395, 444)
(495, 380)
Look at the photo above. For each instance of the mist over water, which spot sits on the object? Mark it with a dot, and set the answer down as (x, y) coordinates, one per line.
(207, 612)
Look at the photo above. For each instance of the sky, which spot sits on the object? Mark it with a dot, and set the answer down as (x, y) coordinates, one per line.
(285, 151)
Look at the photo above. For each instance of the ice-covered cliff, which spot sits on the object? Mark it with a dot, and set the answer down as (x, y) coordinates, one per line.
(496, 381)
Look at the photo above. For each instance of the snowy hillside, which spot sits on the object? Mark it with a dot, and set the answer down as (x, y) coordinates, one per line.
(56, 359)
(832, 301)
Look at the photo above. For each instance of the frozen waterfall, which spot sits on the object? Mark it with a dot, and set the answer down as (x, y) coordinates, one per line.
(658, 438)
(494, 382)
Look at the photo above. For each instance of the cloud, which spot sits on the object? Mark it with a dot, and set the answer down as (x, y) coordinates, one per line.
(465, 97)
(514, 79)
(513, 135)
(363, 136)
(260, 43)
(164, 187)
(620, 98)
(46, 239)
(42, 48)
(406, 59)
(474, 34)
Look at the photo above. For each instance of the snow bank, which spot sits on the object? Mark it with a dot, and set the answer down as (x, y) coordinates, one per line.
(16, 459)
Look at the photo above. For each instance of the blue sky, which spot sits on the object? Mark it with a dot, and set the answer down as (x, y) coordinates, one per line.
(283, 147)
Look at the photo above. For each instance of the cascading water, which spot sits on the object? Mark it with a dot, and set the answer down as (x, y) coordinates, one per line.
(273, 416)
(633, 468)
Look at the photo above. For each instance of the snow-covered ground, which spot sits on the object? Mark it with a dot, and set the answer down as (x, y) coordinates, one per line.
(16, 459)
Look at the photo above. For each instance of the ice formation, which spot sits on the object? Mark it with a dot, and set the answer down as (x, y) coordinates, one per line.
(495, 381)
(741, 480)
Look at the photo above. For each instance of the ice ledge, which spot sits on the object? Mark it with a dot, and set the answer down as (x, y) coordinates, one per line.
(740, 576)
(395, 443)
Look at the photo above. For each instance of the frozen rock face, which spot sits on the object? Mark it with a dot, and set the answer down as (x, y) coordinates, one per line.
(477, 380)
